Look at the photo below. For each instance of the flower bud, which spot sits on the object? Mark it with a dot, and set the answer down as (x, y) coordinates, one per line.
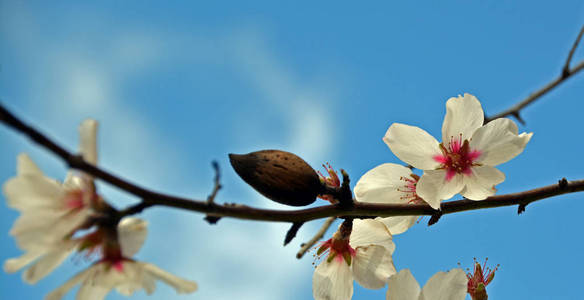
(278, 175)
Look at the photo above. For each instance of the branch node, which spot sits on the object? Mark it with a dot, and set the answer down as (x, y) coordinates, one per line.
(212, 220)
(563, 183)
(435, 217)
(566, 72)
(292, 232)
(518, 117)
(521, 208)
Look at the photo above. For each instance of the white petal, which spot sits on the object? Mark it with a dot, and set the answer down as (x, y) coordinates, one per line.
(88, 140)
(67, 286)
(130, 279)
(332, 281)
(33, 191)
(25, 166)
(48, 262)
(382, 184)
(372, 266)
(131, 235)
(40, 229)
(446, 286)
(481, 183)
(370, 232)
(181, 286)
(32, 230)
(149, 283)
(14, 264)
(402, 286)
(464, 115)
(89, 291)
(499, 142)
(433, 187)
(398, 224)
(413, 145)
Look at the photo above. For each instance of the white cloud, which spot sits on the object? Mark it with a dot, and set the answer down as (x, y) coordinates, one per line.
(303, 108)
(231, 260)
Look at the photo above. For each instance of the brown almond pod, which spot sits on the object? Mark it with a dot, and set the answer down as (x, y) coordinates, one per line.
(280, 176)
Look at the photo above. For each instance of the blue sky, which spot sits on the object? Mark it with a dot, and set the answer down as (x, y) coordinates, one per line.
(178, 85)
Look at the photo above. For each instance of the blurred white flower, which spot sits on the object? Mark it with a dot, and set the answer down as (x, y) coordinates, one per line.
(363, 254)
(50, 211)
(451, 286)
(464, 161)
(117, 270)
(390, 183)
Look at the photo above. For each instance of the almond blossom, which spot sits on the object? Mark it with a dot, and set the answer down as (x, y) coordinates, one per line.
(116, 269)
(390, 183)
(362, 253)
(464, 161)
(449, 285)
(50, 211)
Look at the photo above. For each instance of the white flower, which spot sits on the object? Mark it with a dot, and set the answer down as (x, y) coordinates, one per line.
(50, 211)
(464, 161)
(364, 256)
(390, 183)
(441, 286)
(117, 270)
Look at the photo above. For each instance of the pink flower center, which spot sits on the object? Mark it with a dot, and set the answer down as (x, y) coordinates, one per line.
(457, 158)
(118, 265)
(336, 248)
(115, 263)
(74, 200)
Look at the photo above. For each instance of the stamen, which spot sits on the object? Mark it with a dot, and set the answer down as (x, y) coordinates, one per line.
(457, 157)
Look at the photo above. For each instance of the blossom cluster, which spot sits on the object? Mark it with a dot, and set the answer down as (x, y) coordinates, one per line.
(59, 219)
(463, 162)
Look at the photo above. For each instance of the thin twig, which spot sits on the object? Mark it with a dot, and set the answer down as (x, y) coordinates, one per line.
(216, 185)
(317, 237)
(566, 68)
(514, 111)
(211, 198)
(291, 233)
(358, 210)
(567, 72)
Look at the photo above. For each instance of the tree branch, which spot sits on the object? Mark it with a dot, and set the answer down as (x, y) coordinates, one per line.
(567, 72)
(357, 210)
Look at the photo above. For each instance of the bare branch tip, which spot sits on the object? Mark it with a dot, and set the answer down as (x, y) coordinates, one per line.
(291, 234)
(521, 208)
(435, 218)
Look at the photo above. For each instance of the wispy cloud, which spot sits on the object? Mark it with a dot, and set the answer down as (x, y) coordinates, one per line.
(231, 260)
